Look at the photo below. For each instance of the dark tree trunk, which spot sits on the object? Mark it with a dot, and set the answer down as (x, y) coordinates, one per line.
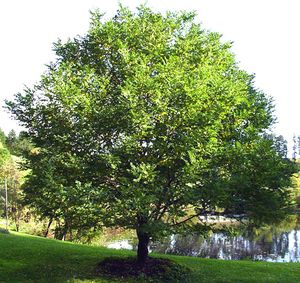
(70, 234)
(48, 227)
(142, 252)
(60, 231)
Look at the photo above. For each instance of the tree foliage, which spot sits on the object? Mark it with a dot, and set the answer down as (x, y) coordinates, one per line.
(12, 175)
(147, 122)
(2, 137)
(18, 145)
(4, 155)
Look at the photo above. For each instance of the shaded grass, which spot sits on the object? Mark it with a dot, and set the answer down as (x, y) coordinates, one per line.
(25, 258)
(154, 270)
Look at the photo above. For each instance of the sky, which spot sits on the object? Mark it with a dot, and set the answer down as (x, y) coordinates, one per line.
(265, 35)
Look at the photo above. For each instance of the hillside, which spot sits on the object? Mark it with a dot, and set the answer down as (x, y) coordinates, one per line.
(25, 258)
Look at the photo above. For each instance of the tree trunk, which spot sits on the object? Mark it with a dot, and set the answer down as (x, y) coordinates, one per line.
(48, 227)
(142, 252)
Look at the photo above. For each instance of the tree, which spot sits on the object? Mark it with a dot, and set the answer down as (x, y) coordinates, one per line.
(10, 177)
(154, 123)
(57, 195)
(2, 137)
(279, 144)
(18, 144)
(4, 158)
(4, 155)
(11, 139)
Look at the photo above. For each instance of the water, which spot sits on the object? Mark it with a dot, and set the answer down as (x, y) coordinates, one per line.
(274, 244)
(284, 247)
(121, 245)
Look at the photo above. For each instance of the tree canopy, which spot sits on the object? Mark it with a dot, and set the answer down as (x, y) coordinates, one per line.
(147, 122)
(4, 154)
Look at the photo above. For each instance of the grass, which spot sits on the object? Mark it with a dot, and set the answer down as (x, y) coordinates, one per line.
(25, 258)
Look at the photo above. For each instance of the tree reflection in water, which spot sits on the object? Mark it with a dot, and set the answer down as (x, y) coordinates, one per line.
(279, 243)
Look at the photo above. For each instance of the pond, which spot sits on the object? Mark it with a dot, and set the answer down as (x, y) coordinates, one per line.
(281, 248)
(275, 244)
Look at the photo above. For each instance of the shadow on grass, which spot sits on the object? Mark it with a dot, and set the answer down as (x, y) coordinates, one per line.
(4, 231)
(154, 269)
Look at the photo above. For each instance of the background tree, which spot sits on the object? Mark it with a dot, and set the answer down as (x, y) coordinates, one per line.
(18, 145)
(154, 123)
(294, 156)
(4, 158)
(11, 139)
(12, 174)
(4, 155)
(2, 137)
(279, 144)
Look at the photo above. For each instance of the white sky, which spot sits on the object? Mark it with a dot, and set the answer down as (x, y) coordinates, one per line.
(265, 33)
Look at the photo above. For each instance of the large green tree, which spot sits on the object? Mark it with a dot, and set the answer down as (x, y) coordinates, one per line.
(152, 121)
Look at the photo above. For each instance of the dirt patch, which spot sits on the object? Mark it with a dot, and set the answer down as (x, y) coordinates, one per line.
(154, 270)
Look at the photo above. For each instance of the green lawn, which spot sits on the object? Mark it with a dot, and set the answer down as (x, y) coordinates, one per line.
(25, 258)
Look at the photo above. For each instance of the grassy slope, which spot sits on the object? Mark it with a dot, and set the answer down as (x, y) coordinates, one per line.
(25, 258)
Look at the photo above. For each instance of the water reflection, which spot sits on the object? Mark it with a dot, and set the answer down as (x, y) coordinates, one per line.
(279, 243)
(282, 248)
(121, 245)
